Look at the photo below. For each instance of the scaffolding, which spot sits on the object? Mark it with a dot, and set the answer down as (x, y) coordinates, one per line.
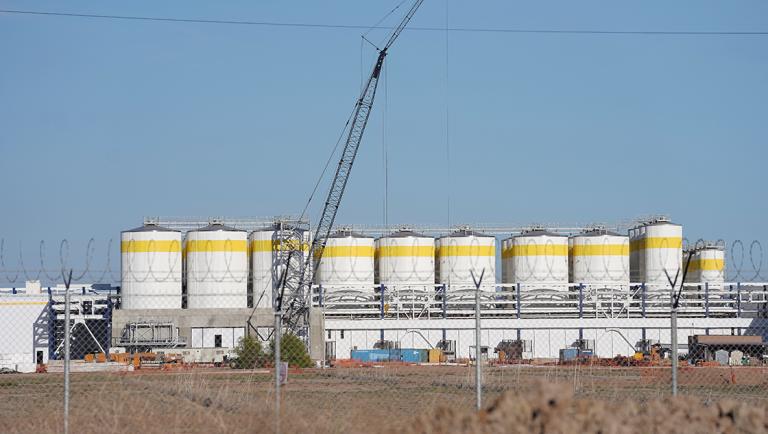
(146, 334)
(729, 300)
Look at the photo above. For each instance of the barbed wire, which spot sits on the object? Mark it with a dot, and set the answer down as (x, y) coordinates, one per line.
(50, 269)
(744, 262)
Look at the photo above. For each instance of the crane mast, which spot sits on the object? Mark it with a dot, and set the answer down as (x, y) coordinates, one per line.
(295, 287)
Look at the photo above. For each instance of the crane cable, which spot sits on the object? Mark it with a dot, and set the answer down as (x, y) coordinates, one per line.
(447, 124)
(423, 28)
(385, 145)
(364, 36)
(327, 164)
(346, 125)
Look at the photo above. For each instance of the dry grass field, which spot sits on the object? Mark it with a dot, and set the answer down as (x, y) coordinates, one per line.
(376, 399)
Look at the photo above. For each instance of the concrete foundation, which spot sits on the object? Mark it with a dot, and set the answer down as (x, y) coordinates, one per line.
(261, 322)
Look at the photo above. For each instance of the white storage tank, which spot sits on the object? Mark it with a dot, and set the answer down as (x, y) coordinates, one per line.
(540, 258)
(600, 257)
(406, 259)
(506, 260)
(151, 268)
(347, 263)
(437, 260)
(262, 271)
(634, 256)
(707, 265)
(265, 276)
(463, 252)
(570, 259)
(658, 249)
(217, 267)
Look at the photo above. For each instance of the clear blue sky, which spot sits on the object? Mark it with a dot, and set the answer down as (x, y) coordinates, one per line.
(103, 122)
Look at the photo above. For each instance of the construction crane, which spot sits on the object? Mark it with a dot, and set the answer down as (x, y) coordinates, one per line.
(295, 287)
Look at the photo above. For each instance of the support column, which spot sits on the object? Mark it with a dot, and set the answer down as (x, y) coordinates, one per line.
(581, 309)
(381, 310)
(706, 299)
(445, 307)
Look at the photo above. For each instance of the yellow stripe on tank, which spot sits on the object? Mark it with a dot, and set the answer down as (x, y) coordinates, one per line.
(261, 246)
(538, 250)
(466, 251)
(600, 250)
(236, 246)
(707, 265)
(391, 251)
(154, 246)
(347, 251)
(656, 243)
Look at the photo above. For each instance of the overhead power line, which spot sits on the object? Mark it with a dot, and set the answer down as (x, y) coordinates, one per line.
(362, 27)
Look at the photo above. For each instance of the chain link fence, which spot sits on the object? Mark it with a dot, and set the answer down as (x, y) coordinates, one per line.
(200, 350)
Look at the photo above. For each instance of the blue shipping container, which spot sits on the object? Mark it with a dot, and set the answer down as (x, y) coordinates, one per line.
(567, 354)
(412, 355)
(375, 355)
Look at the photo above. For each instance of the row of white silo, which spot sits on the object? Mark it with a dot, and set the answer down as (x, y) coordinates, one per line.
(549, 260)
(409, 259)
(214, 262)
(406, 259)
(656, 255)
(534, 257)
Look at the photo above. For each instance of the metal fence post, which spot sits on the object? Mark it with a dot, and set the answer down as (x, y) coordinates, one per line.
(478, 349)
(673, 320)
(278, 332)
(66, 352)
(478, 352)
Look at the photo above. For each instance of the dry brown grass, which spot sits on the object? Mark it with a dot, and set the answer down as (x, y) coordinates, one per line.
(317, 401)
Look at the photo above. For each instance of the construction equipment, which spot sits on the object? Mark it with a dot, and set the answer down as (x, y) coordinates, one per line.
(702, 348)
(511, 350)
(295, 287)
(648, 352)
(448, 348)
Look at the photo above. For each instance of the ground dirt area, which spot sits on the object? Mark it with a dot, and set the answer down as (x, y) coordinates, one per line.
(387, 399)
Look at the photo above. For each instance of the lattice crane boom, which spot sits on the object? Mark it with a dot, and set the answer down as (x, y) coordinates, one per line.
(298, 275)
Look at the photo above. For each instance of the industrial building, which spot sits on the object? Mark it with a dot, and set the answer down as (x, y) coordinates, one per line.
(557, 288)
(32, 323)
(199, 284)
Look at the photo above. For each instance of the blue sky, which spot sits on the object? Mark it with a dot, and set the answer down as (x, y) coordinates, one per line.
(103, 122)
